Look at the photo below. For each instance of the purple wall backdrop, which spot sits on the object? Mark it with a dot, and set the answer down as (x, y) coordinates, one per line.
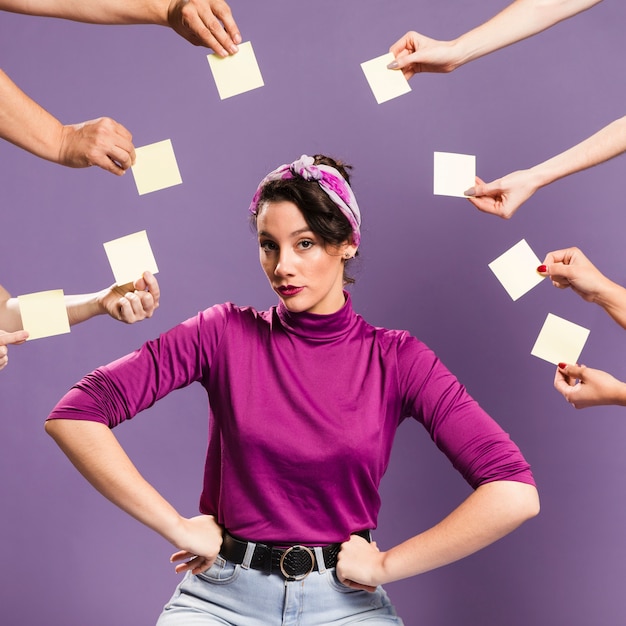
(69, 556)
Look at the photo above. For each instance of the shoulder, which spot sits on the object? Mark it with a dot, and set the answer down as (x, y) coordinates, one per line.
(229, 314)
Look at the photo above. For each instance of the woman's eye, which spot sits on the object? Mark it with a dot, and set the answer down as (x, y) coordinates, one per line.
(268, 246)
(306, 244)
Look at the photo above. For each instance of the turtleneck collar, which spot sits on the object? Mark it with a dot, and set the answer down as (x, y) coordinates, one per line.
(318, 327)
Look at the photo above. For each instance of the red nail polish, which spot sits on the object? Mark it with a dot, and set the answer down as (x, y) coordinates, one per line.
(542, 269)
(562, 366)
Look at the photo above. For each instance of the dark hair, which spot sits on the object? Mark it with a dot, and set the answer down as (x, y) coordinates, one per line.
(321, 214)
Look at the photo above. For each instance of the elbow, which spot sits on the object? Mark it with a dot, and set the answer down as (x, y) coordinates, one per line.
(528, 505)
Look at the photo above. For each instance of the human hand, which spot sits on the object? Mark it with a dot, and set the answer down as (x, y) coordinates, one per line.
(207, 23)
(102, 142)
(583, 386)
(201, 544)
(7, 339)
(133, 302)
(571, 268)
(416, 53)
(504, 196)
(360, 564)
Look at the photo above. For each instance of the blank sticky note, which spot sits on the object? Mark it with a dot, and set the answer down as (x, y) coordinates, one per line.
(156, 167)
(130, 257)
(516, 269)
(386, 84)
(454, 174)
(237, 73)
(560, 341)
(44, 314)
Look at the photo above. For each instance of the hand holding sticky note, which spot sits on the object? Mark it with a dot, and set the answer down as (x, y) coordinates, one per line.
(237, 73)
(516, 269)
(130, 257)
(155, 167)
(44, 314)
(385, 84)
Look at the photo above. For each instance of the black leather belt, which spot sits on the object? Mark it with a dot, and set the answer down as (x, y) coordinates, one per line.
(292, 562)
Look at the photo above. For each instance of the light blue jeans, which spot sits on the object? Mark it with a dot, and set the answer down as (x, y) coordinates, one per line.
(232, 595)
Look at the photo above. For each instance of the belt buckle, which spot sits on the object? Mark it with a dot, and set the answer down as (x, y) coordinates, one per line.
(296, 550)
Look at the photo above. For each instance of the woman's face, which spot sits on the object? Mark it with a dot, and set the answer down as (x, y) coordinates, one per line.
(306, 273)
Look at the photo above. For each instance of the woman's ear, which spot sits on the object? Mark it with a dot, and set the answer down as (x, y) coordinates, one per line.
(349, 251)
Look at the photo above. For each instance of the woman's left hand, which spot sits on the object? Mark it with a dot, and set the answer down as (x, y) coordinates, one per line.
(360, 564)
(203, 538)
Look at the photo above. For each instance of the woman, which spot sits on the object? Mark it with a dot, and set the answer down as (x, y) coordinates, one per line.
(305, 399)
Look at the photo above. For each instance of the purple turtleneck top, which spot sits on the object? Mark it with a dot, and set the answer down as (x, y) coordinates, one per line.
(303, 413)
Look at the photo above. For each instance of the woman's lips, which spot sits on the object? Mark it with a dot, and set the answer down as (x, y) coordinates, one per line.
(289, 290)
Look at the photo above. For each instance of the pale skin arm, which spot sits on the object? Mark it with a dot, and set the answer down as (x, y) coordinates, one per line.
(96, 453)
(127, 303)
(488, 514)
(102, 142)
(416, 53)
(583, 386)
(504, 196)
(202, 22)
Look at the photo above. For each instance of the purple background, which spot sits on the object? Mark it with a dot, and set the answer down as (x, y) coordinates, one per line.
(69, 556)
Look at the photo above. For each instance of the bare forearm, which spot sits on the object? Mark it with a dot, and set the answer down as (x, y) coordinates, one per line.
(612, 298)
(490, 513)
(96, 453)
(94, 11)
(26, 124)
(521, 19)
(604, 145)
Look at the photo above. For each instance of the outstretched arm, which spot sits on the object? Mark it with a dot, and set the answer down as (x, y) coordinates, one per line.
(523, 18)
(504, 196)
(128, 304)
(96, 453)
(102, 142)
(491, 512)
(202, 22)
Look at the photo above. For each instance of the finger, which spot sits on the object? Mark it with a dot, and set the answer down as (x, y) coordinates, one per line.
(19, 336)
(181, 555)
(486, 205)
(210, 32)
(224, 13)
(4, 361)
(125, 312)
(152, 285)
(136, 305)
(122, 157)
(146, 303)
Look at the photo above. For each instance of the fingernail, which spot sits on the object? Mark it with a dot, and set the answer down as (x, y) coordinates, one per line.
(470, 192)
(562, 366)
(234, 49)
(542, 269)
(237, 38)
(393, 65)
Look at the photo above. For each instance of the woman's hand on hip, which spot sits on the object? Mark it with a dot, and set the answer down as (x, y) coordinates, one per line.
(360, 564)
(201, 542)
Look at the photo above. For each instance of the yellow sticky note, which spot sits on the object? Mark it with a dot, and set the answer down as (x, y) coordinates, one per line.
(385, 84)
(130, 257)
(560, 341)
(44, 313)
(155, 167)
(453, 173)
(516, 269)
(237, 73)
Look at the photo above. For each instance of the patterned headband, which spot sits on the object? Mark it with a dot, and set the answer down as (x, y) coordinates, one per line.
(332, 183)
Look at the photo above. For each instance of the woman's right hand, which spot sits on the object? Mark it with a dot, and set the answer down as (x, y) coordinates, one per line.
(416, 53)
(201, 540)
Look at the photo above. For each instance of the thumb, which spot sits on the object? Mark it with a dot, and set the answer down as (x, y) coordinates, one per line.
(573, 371)
(484, 189)
(12, 338)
